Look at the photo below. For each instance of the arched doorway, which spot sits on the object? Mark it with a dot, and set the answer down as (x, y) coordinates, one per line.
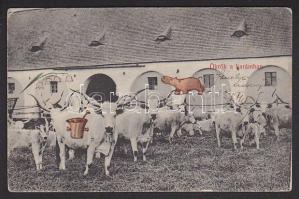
(99, 87)
(217, 88)
(269, 81)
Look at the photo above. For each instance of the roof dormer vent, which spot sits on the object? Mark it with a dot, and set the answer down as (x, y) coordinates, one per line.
(98, 41)
(241, 30)
(40, 44)
(165, 35)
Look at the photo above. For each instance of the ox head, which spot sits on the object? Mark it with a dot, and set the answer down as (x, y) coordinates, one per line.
(109, 112)
(44, 129)
(148, 127)
(168, 80)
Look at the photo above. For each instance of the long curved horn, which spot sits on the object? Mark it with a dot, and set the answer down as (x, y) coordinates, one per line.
(38, 104)
(131, 98)
(162, 102)
(45, 101)
(66, 104)
(256, 100)
(87, 98)
(57, 103)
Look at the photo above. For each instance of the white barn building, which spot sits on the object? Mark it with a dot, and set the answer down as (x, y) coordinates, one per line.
(122, 49)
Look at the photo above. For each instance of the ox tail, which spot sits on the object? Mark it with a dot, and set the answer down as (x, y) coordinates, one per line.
(57, 153)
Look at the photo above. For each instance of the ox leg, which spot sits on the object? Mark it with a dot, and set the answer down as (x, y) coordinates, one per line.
(40, 157)
(191, 132)
(262, 131)
(179, 132)
(108, 159)
(276, 131)
(71, 154)
(144, 149)
(245, 132)
(134, 148)
(257, 139)
(218, 136)
(171, 134)
(98, 155)
(234, 138)
(36, 154)
(90, 154)
(200, 131)
(61, 145)
(109, 156)
(242, 141)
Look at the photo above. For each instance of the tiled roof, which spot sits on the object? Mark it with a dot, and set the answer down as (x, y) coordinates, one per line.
(130, 33)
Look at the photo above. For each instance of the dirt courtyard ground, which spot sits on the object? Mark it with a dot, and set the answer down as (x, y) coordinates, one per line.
(189, 164)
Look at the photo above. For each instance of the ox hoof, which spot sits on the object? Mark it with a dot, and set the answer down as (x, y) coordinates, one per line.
(107, 174)
(61, 167)
(39, 167)
(85, 173)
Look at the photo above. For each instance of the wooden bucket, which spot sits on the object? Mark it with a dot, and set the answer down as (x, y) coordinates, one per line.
(77, 127)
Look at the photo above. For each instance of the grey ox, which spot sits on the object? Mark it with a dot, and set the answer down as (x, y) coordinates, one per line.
(95, 137)
(38, 138)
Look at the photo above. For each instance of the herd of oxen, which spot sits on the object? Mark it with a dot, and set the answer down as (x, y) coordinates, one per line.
(134, 120)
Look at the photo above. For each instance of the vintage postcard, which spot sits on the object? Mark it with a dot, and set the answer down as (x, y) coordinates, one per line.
(149, 99)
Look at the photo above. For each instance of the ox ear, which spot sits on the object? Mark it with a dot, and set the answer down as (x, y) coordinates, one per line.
(119, 111)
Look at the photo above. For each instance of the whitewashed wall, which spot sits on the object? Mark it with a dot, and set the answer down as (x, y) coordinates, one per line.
(125, 77)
